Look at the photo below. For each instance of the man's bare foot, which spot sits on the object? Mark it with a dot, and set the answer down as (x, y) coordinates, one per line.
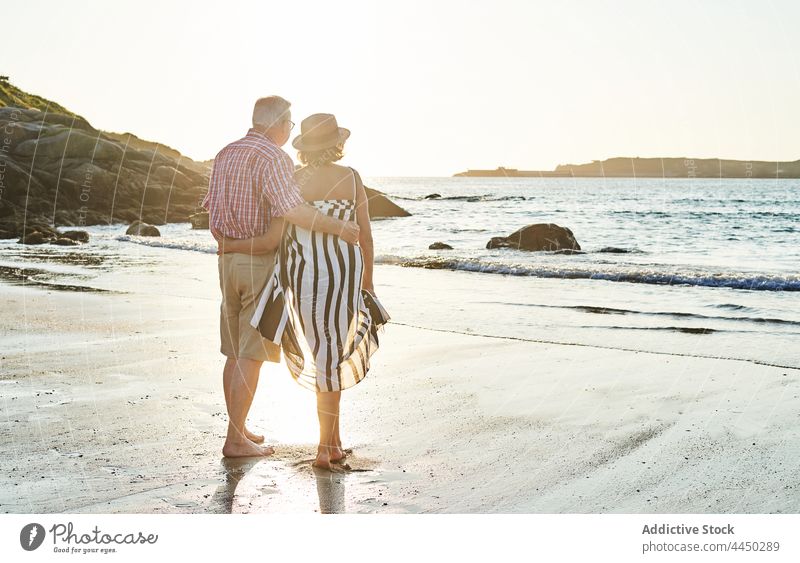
(257, 438)
(246, 449)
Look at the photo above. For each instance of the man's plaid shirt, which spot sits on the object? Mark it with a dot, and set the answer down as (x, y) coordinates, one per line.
(252, 181)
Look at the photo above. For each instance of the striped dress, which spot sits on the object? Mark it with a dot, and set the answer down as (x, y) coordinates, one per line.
(315, 308)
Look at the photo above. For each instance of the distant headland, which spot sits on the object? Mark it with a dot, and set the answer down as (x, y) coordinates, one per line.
(625, 167)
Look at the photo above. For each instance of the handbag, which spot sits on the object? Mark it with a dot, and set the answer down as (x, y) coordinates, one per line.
(377, 311)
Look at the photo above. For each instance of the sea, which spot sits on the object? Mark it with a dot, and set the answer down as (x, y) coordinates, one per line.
(703, 267)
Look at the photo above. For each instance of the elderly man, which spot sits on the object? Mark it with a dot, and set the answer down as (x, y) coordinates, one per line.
(251, 183)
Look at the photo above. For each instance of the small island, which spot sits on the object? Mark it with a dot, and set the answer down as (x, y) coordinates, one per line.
(635, 167)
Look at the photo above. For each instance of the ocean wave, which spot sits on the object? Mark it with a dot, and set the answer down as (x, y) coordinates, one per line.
(641, 212)
(600, 310)
(619, 250)
(467, 198)
(731, 306)
(196, 246)
(731, 280)
(686, 329)
(695, 214)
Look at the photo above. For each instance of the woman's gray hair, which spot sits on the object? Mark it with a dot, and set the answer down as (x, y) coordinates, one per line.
(269, 111)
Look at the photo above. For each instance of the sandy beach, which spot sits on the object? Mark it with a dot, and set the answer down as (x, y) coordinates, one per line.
(112, 402)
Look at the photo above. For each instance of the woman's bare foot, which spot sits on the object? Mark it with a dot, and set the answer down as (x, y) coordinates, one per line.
(247, 448)
(257, 438)
(327, 457)
(337, 454)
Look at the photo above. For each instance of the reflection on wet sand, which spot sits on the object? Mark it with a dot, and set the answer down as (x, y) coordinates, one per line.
(273, 485)
(234, 471)
(330, 489)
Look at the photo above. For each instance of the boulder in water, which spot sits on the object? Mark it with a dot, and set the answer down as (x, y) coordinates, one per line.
(34, 237)
(537, 237)
(440, 246)
(138, 228)
(77, 236)
(64, 241)
(381, 206)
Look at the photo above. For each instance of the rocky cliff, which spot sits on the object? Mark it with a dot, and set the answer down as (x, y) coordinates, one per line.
(55, 168)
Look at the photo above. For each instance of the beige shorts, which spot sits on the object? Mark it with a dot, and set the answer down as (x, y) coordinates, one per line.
(242, 277)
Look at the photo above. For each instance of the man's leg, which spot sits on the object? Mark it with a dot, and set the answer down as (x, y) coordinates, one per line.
(227, 379)
(243, 383)
(237, 443)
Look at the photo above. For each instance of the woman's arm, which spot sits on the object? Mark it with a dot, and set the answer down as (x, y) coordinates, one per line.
(262, 244)
(364, 234)
(311, 218)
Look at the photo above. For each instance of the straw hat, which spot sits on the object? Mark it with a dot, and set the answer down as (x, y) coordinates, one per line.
(320, 131)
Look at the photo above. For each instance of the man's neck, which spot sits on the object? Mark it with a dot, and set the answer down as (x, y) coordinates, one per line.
(266, 133)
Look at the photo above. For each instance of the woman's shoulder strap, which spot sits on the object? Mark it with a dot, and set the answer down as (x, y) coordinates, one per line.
(356, 180)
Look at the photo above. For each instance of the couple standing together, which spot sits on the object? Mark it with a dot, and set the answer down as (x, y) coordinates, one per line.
(295, 269)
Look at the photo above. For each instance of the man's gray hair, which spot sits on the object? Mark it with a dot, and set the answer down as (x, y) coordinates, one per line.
(269, 111)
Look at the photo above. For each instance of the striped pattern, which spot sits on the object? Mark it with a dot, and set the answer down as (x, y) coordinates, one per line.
(315, 307)
(252, 181)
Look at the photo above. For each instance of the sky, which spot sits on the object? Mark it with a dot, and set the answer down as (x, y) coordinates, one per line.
(428, 88)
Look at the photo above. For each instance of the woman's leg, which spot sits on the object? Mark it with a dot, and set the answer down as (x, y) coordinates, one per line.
(337, 439)
(337, 453)
(328, 413)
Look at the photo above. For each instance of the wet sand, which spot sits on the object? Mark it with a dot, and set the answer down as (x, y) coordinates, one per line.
(112, 402)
